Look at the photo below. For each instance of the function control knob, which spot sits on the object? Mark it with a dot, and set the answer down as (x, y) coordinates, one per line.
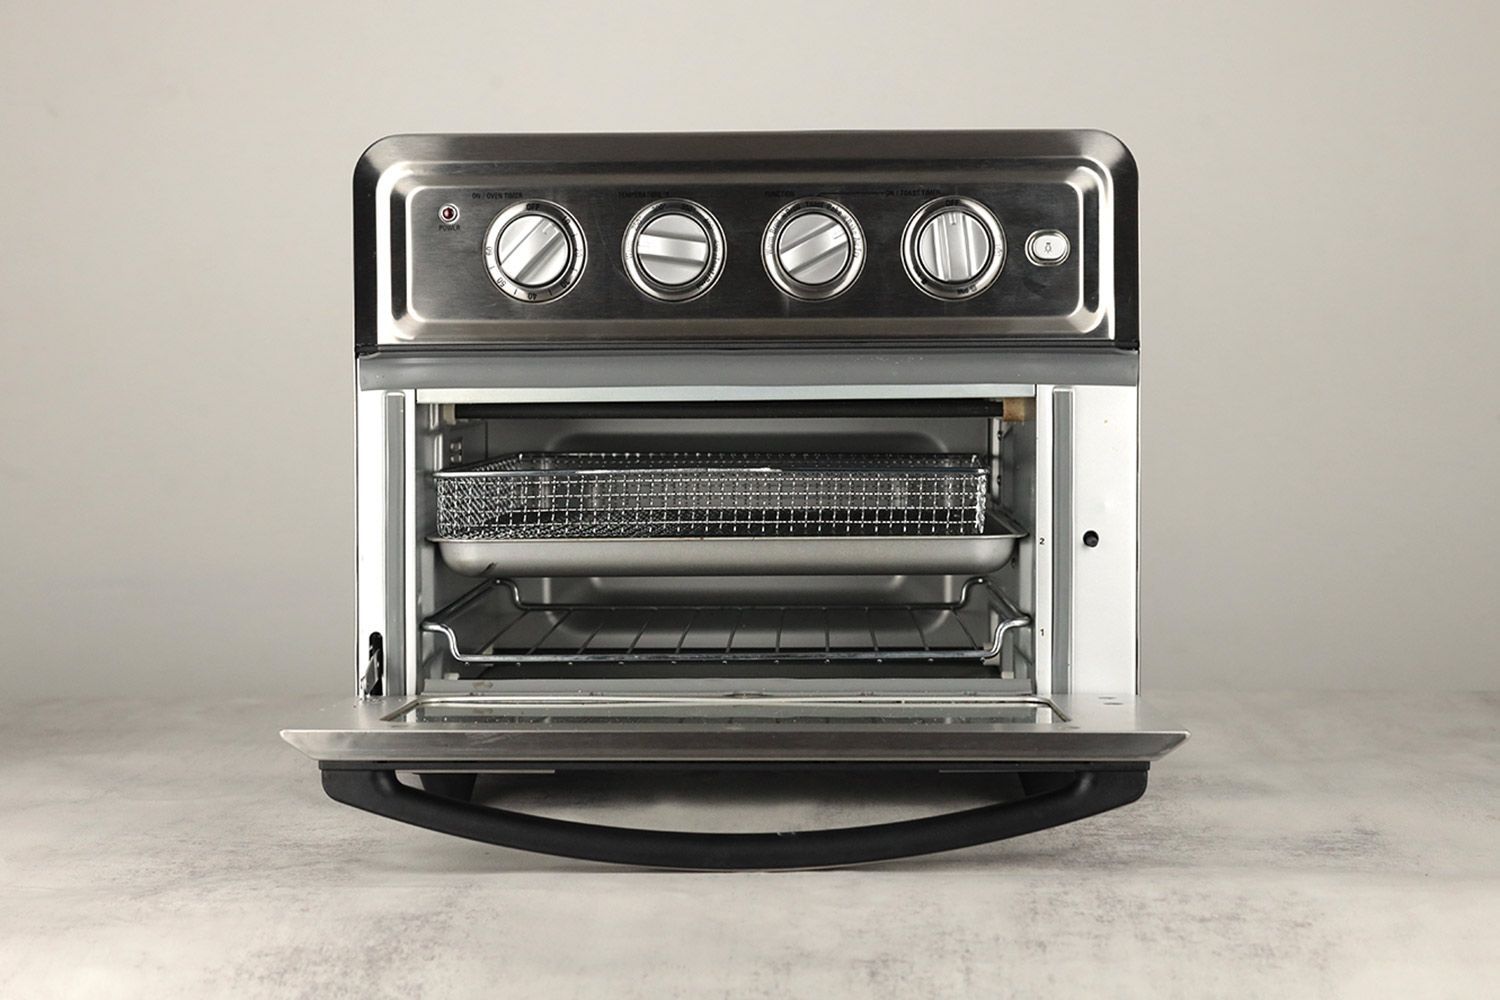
(535, 251)
(813, 249)
(673, 250)
(953, 248)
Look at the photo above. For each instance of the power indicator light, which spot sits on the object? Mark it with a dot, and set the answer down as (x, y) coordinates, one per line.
(448, 214)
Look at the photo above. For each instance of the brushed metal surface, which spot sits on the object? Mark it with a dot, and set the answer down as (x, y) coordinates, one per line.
(673, 250)
(813, 249)
(971, 554)
(534, 252)
(954, 246)
(707, 375)
(644, 726)
(1047, 248)
(419, 282)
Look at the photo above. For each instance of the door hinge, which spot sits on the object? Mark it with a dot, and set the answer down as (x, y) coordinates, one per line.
(372, 676)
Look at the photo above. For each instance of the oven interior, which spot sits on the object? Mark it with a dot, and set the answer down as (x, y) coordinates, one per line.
(847, 610)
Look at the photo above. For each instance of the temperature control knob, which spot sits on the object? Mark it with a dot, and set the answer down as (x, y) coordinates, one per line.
(813, 249)
(535, 251)
(953, 248)
(673, 250)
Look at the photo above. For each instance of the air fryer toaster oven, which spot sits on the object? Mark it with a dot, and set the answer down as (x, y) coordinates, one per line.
(744, 451)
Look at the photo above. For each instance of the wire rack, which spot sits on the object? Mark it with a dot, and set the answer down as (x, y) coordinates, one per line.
(494, 624)
(713, 495)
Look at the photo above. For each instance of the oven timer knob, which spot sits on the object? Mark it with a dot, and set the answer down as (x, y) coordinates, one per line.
(673, 250)
(953, 248)
(813, 249)
(535, 251)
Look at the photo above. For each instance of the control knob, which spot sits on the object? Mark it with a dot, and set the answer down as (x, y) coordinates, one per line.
(535, 251)
(673, 250)
(953, 248)
(813, 249)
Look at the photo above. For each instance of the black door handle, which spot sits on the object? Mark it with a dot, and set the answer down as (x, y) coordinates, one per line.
(1081, 793)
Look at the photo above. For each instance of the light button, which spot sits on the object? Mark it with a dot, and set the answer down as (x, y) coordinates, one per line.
(1047, 248)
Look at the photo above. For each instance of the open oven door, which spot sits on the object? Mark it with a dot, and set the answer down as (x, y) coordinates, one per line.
(1076, 755)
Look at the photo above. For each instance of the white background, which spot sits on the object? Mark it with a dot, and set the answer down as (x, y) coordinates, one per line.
(1319, 250)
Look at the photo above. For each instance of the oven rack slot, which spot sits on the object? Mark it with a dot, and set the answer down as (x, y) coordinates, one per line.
(494, 624)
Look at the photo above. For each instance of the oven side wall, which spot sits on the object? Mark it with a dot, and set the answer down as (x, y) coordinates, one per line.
(1088, 475)
(385, 573)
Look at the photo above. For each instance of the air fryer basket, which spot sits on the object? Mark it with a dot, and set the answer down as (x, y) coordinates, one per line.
(711, 495)
(685, 513)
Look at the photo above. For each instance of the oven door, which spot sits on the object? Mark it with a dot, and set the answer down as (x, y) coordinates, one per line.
(1074, 756)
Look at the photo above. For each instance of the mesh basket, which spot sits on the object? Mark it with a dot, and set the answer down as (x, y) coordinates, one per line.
(692, 495)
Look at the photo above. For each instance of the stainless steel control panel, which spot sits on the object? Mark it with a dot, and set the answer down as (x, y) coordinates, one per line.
(916, 237)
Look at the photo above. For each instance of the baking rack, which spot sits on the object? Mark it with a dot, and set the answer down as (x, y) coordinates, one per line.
(494, 624)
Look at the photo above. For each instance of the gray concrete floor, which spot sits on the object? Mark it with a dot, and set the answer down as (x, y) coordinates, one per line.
(1333, 845)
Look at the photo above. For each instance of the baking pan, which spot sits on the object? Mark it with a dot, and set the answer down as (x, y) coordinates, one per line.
(738, 556)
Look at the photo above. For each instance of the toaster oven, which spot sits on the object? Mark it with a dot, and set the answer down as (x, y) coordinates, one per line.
(744, 452)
